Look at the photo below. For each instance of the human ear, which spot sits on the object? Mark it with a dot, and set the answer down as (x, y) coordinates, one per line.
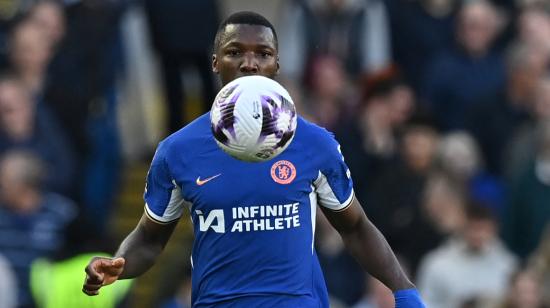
(215, 64)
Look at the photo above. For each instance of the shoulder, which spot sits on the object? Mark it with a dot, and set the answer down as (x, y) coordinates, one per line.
(317, 144)
(187, 139)
(313, 133)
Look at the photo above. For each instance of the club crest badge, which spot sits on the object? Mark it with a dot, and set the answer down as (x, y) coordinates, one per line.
(283, 172)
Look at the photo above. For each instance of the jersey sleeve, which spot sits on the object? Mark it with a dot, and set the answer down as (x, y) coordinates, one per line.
(164, 202)
(333, 185)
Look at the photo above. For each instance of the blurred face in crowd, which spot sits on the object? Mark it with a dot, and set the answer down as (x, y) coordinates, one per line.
(534, 28)
(444, 205)
(459, 155)
(16, 111)
(16, 168)
(478, 233)
(49, 17)
(246, 50)
(419, 144)
(477, 27)
(328, 78)
(30, 50)
(376, 125)
(526, 65)
(525, 291)
(401, 104)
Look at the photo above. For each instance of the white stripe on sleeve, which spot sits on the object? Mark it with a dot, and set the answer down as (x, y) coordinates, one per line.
(175, 207)
(326, 196)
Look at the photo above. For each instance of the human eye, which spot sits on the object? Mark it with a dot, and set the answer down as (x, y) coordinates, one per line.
(233, 52)
(266, 54)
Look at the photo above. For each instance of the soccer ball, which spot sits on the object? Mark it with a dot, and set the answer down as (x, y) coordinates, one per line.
(253, 119)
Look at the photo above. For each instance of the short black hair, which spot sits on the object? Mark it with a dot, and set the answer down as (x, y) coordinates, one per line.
(244, 18)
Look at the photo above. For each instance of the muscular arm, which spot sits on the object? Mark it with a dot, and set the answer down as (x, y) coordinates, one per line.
(143, 245)
(136, 255)
(368, 246)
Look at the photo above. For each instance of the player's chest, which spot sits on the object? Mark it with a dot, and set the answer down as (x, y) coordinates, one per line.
(229, 183)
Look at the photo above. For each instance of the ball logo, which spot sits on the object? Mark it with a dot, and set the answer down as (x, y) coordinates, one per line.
(283, 172)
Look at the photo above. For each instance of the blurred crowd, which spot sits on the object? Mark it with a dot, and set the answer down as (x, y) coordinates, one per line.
(442, 109)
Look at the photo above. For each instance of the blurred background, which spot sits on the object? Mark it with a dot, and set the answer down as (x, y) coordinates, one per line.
(442, 108)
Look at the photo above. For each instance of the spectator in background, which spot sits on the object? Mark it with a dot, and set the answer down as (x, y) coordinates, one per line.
(471, 265)
(329, 100)
(459, 78)
(182, 33)
(81, 91)
(533, 27)
(83, 67)
(370, 138)
(30, 52)
(8, 284)
(528, 212)
(33, 221)
(394, 200)
(23, 124)
(10, 11)
(460, 159)
(420, 30)
(524, 291)
(493, 120)
(522, 146)
(443, 203)
(49, 17)
(355, 32)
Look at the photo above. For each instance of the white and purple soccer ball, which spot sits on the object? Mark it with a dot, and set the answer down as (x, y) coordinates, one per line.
(253, 118)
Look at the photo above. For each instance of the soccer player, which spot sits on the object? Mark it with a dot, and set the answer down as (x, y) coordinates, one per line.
(254, 223)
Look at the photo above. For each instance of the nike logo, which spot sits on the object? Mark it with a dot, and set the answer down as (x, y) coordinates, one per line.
(202, 182)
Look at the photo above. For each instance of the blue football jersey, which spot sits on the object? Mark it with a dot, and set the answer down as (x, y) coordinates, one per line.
(254, 223)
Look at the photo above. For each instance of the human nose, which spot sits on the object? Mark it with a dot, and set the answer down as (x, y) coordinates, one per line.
(249, 64)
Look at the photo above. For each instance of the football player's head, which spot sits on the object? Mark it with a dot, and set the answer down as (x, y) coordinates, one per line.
(245, 44)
